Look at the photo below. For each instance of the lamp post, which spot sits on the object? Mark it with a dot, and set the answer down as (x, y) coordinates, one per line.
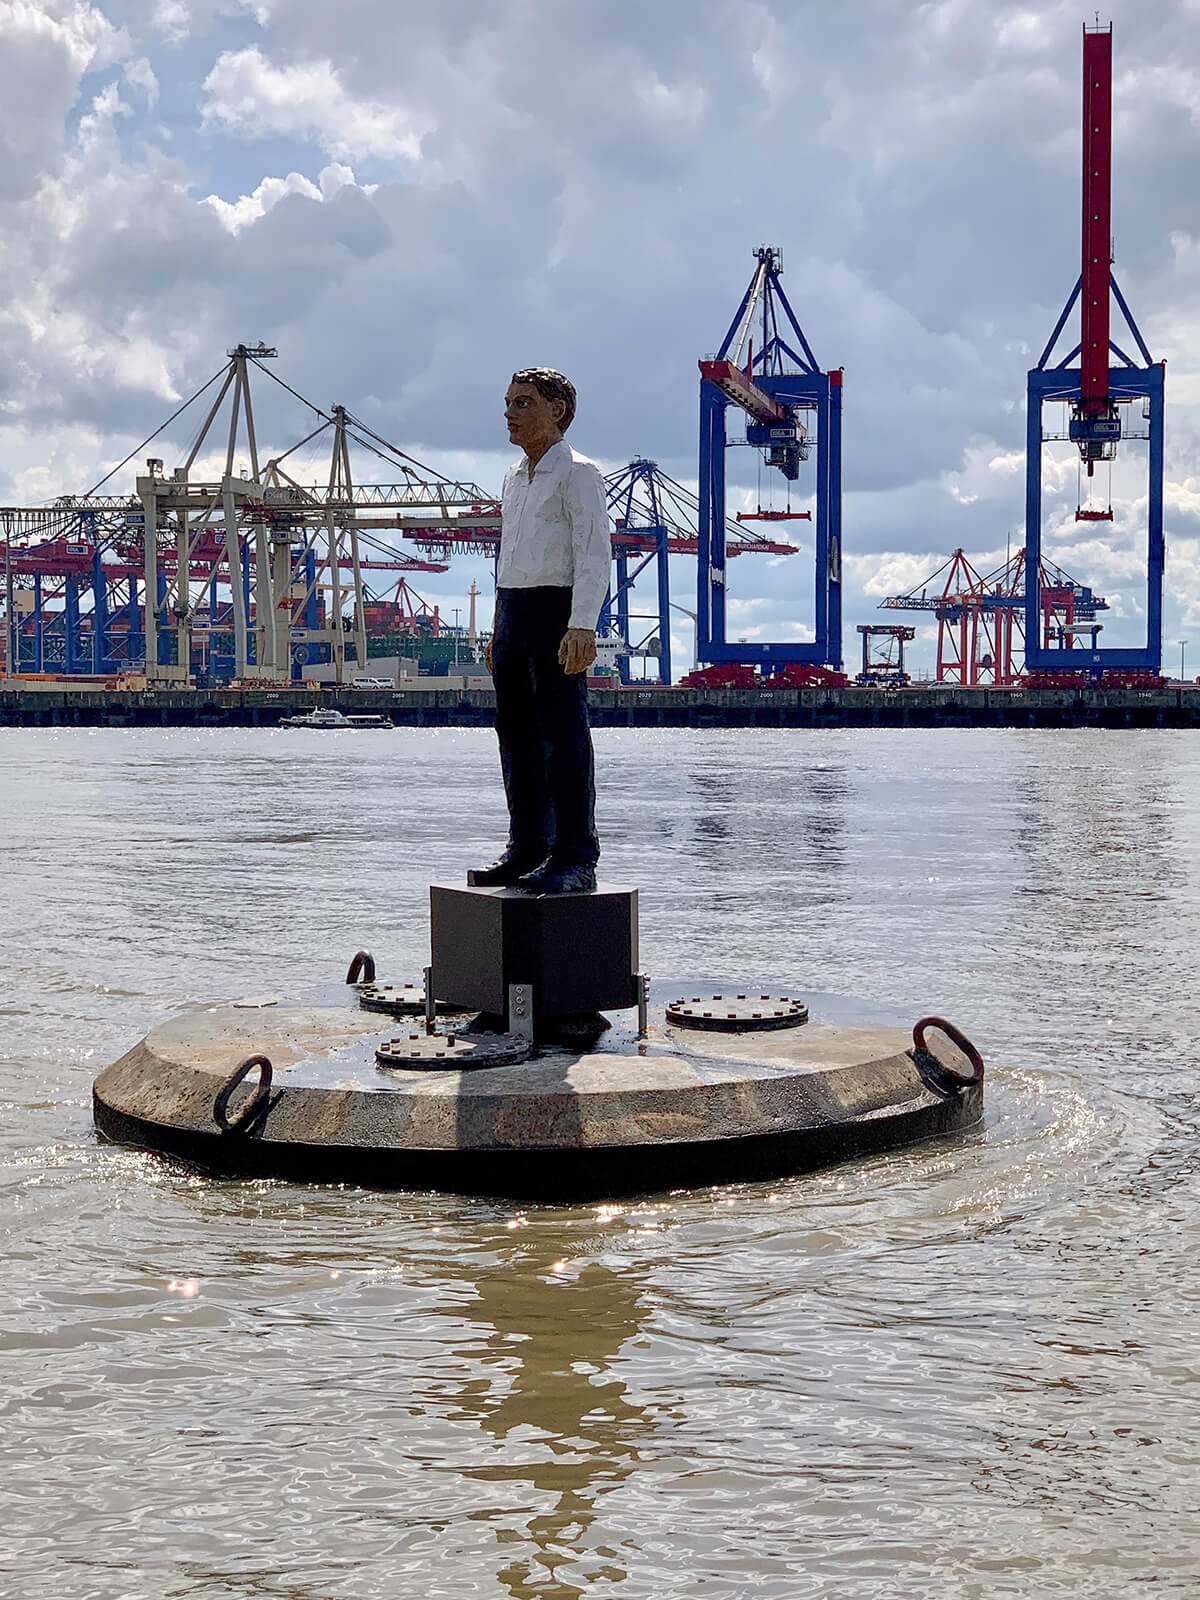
(1181, 643)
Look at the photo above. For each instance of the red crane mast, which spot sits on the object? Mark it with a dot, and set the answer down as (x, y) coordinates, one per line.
(1097, 225)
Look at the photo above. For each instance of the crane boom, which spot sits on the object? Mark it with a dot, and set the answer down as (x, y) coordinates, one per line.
(739, 387)
(1097, 217)
(1095, 424)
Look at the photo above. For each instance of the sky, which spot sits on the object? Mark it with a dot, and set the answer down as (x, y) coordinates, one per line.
(411, 201)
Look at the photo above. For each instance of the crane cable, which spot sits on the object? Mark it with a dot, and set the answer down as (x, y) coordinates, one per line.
(219, 373)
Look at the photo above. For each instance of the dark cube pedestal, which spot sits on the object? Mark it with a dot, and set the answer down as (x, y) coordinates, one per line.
(579, 952)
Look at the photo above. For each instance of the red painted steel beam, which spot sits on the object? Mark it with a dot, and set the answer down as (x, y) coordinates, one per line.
(1097, 215)
(744, 392)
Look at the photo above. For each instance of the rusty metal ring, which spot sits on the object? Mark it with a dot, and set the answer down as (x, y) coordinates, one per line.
(957, 1038)
(364, 964)
(256, 1102)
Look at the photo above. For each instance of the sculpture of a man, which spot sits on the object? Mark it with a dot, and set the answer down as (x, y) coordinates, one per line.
(553, 574)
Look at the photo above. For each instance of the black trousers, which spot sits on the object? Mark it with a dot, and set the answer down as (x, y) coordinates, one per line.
(542, 725)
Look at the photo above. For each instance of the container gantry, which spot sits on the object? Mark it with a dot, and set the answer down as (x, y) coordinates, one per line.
(653, 518)
(982, 619)
(793, 411)
(250, 575)
(1101, 399)
(75, 593)
(640, 537)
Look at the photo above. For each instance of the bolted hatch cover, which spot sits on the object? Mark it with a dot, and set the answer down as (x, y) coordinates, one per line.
(453, 1052)
(737, 1013)
(397, 999)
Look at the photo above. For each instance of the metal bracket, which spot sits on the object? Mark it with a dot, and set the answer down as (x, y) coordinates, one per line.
(430, 1002)
(520, 1010)
(642, 984)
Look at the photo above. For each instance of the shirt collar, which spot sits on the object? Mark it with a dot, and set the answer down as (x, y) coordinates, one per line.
(551, 457)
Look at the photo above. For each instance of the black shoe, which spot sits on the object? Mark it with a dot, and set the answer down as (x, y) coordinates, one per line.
(501, 874)
(552, 878)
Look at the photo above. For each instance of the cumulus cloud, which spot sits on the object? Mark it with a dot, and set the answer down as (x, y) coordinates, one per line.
(45, 51)
(238, 214)
(249, 94)
(139, 74)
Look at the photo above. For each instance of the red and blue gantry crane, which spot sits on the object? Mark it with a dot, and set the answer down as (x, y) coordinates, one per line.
(653, 518)
(1100, 398)
(793, 411)
(982, 618)
(883, 653)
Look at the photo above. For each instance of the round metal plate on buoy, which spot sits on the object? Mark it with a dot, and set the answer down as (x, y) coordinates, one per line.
(451, 1052)
(737, 1013)
(397, 999)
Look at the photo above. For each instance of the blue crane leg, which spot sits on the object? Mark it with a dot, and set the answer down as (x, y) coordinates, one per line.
(664, 608)
(100, 645)
(71, 647)
(623, 615)
(1033, 512)
(39, 626)
(1155, 551)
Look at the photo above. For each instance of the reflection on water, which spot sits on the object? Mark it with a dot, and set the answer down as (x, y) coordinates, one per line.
(562, 1426)
(959, 1370)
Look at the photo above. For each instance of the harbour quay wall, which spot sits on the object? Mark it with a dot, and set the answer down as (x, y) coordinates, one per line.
(925, 706)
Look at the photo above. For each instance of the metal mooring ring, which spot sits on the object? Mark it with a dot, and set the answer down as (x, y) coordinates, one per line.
(957, 1038)
(364, 964)
(256, 1102)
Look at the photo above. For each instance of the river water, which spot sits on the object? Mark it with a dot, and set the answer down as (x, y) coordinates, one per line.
(966, 1369)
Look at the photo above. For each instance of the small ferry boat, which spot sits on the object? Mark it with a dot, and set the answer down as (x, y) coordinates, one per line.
(327, 717)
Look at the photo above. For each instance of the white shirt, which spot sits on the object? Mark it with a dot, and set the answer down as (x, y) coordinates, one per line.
(554, 531)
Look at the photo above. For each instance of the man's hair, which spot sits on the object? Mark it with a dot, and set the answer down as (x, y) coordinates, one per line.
(551, 385)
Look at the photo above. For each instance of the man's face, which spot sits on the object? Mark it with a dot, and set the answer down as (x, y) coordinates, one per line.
(531, 418)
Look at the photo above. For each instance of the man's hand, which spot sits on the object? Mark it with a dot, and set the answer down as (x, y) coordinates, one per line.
(487, 655)
(577, 650)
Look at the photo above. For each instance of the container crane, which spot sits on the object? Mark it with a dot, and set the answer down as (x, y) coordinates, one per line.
(981, 618)
(76, 602)
(1099, 397)
(257, 574)
(792, 409)
(254, 557)
(654, 518)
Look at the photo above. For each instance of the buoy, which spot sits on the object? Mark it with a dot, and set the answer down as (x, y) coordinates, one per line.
(512, 1081)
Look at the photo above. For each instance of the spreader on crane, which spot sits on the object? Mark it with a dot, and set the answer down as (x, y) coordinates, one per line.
(1098, 397)
(792, 410)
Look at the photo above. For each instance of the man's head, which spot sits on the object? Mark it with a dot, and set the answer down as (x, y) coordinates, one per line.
(539, 407)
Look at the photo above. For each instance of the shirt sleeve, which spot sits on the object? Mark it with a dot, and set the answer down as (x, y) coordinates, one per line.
(503, 552)
(591, 543)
